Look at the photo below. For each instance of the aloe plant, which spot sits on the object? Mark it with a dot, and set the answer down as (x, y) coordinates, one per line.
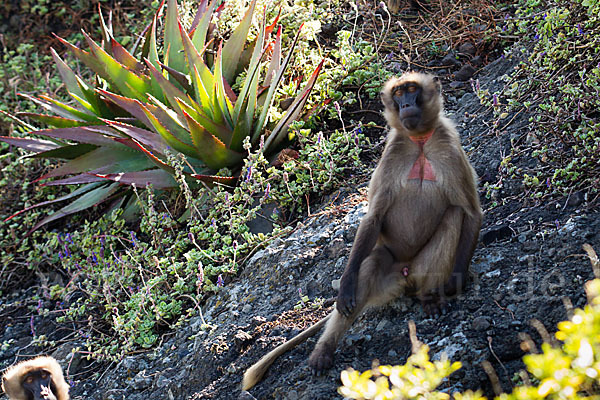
(117, 132)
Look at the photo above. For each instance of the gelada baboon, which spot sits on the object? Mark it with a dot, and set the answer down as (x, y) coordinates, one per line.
(40, 378)
(422, 225)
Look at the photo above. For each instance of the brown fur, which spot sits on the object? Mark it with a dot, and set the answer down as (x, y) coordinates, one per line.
(12, 380)
(428, 227)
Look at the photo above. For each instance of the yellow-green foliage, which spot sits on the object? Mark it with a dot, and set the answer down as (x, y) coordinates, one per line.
(568, 371)
(571, 371)
(417, 379)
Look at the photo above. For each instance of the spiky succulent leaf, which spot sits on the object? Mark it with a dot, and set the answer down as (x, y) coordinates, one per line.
(173, 44)
(158, 178)
(212, 151)
(232, 50)
(275, 63)
(67, 75)
(148, 138)
(37, 145)
(202, 77)
(50, 106)
(167, 135)
(132, 106)
(119, 130)
(221, 100)
(102, 160)
(106, 30)
(293, 112)
(250, 86)
(75, 180)
(201, 23)
(220, 131)
(84, 115)
(259, 126)
(169, 90)
(128, 83)
(77, 192)
(86, 57)
(180, 77)
(67, 152)
(84, 134)
(121, 54)
(58, 122)
(85, 201)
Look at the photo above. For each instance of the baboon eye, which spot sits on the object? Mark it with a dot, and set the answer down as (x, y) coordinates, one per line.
(44, 375)
(399, 92)
(29, 379)
(412, 89)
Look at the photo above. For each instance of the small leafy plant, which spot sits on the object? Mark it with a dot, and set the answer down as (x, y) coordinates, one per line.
(417, 379)
(568, 371)
(120, 131)
(558, 87)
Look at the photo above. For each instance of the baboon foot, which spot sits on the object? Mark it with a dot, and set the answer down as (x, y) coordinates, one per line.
(320, 360)
(433, 304)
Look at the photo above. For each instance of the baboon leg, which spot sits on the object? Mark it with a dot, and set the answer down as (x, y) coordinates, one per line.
(432, 266)
(379, 281)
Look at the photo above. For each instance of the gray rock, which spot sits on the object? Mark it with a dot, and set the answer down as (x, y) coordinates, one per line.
(162, 381)
(141, 381)
(465, 73)
(246, 396)
(67, 354)
(292, 395)
(382, 325)
(480, 324)
(467, 48)
(335, 284)
(498, 232)
(477, 61)
(450, 60)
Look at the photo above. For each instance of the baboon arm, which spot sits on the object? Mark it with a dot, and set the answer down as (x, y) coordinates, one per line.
(255, 373)
(471, 224)
(364, 242)
(464, 252)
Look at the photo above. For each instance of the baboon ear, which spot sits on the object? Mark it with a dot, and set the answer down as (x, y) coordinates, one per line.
(438, 84)
(384, 93)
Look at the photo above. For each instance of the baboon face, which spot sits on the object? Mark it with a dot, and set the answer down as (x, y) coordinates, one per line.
(412, 102)
(38, 384)
(408, 99)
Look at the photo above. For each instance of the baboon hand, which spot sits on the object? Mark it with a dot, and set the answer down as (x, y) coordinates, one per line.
(346, 300)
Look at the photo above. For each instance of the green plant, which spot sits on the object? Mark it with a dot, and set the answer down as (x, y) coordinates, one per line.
(125, 126)
(417, 379)
(571, 370)
(558, 87)
(138, 284)
(321, 164)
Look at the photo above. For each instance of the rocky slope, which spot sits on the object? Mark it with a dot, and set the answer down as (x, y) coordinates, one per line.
(529, 265)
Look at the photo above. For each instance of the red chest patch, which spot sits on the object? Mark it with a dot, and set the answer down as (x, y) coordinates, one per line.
(422, 168)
